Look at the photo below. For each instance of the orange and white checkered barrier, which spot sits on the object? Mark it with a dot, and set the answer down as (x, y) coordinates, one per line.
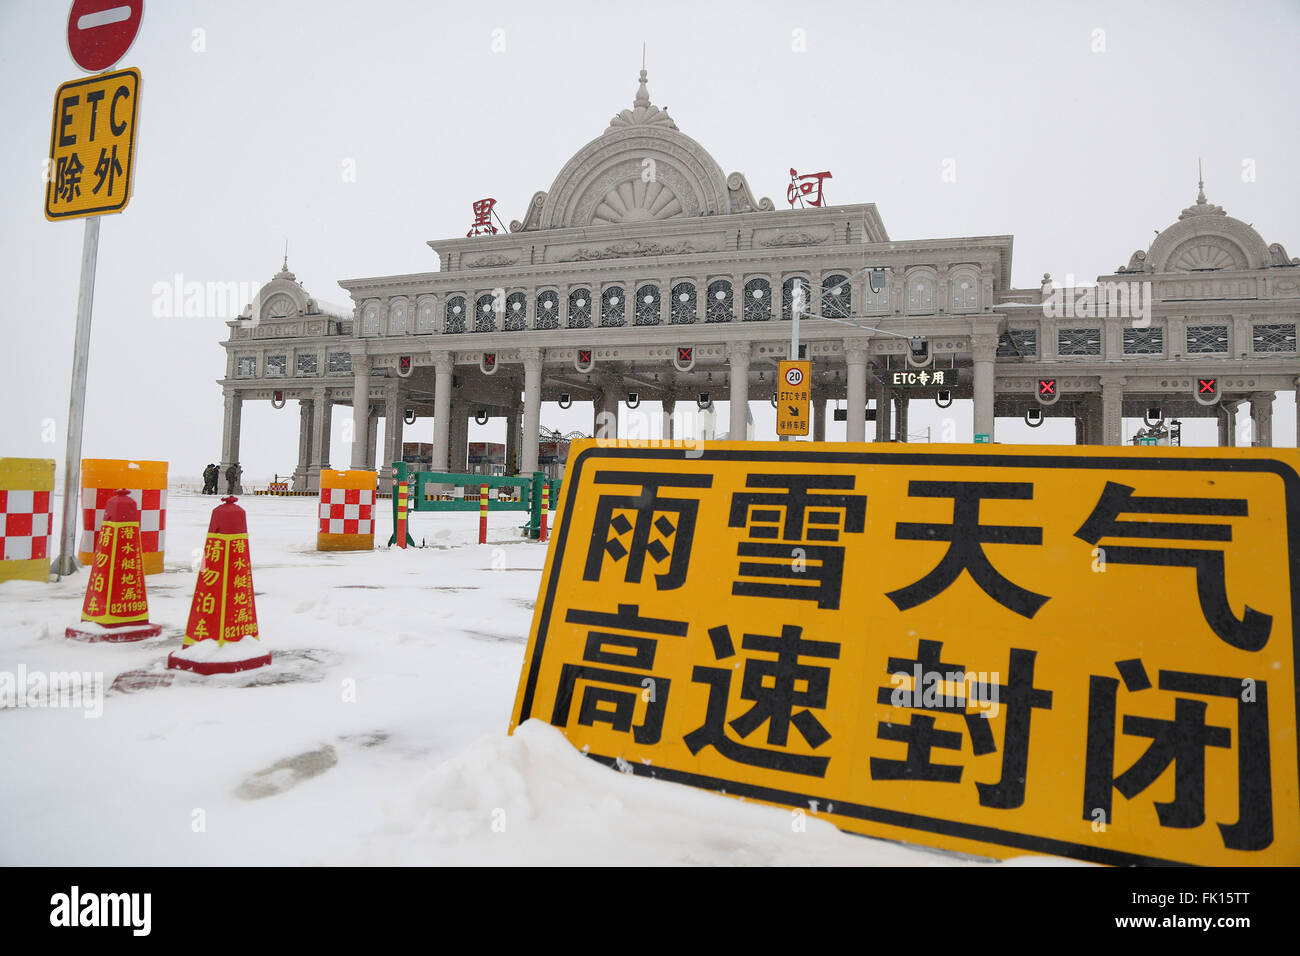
(26, 522)
(347, 511)
(146, 483)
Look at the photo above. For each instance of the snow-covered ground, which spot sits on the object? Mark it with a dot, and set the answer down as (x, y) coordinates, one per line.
(377, 736)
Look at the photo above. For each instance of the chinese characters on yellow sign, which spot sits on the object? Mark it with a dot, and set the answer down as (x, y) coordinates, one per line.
(92, 145)
(1087, 652)
(793, 394)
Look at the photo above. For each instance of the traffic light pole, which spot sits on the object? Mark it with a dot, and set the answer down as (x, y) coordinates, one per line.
(66, 562)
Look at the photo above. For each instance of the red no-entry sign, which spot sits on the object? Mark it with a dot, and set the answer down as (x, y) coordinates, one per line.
(101, 31)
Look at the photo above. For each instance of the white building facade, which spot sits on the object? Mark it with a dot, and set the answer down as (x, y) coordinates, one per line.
(647, 274)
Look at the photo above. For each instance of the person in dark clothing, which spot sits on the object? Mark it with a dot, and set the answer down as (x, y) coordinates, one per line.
(210, 479)
(232, 478)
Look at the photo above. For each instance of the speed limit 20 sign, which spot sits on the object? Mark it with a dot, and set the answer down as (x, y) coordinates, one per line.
(792, 398)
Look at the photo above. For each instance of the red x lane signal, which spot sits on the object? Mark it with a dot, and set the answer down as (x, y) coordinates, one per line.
(584, 356)
(1047, 387)
(684, 354)
(1208, 386)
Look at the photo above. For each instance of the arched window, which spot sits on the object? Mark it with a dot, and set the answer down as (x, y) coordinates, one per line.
(647, 305)
(920, 295)
(548, 310)
(873, 301)
(454, 316)
(397, 313)
(965, 292)
(683, 304)
(758, 301)
(516, 311)
(485, 319)
(424, 316)
(580, 309)
(370, 319)
(788, 297)
(837, 297)
(613, 306)
(718, 307)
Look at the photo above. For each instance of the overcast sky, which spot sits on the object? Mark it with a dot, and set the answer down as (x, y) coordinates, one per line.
(1074, 127)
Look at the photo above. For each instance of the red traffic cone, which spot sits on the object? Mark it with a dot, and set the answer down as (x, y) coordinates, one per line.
(116, 606)
(221, 635)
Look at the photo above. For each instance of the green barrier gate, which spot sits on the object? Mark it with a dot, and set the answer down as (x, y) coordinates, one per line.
(429, 491)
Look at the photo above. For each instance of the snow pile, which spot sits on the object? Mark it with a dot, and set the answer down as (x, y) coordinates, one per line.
(533, 799)
(377, 734)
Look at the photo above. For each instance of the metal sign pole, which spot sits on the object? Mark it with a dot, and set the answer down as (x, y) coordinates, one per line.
(66, 562)
(796, 306)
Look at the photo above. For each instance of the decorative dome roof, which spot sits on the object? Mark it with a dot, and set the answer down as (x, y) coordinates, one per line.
(284, 298)
(641, 168)
(1204, 239)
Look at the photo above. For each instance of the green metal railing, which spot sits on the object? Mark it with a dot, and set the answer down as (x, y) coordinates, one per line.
(435, 491)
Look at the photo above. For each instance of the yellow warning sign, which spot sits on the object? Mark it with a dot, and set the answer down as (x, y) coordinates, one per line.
(792, 398)
(1087, 652)
(92, 145)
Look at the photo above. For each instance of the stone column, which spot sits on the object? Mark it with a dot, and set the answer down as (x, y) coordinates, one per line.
(900, 412)
(984, 347)
(328, 435)
(670, 406)
(606, 411)
(1227, 421)
(532, 408)
(441, 411)
(360, 409)
(372, 439)
(1094, 418)
(304, 445)
(393, 423)
(855, 354)
(738, 399)
(234, 410)
(1112, 410)
(319, 431)
(821, 406)
(884, 413)
(1261, 419)
(459, 457)
(513, 413)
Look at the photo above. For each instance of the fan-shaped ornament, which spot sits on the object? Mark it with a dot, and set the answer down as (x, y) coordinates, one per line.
(637, 201)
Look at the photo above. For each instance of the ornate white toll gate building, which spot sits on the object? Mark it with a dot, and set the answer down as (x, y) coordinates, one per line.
(646, 269)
